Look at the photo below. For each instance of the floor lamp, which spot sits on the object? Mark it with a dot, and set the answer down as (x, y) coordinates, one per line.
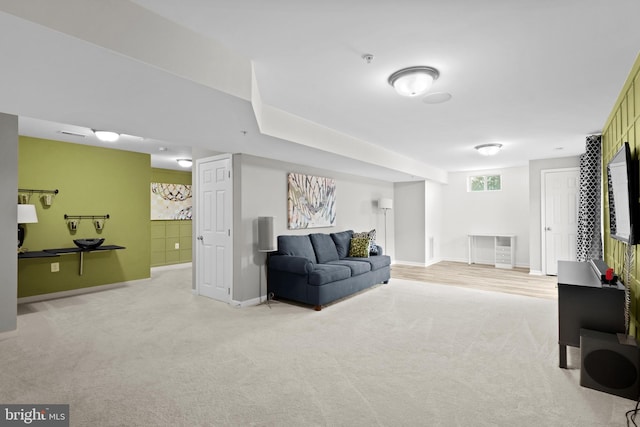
(267, 244)
(385, 205)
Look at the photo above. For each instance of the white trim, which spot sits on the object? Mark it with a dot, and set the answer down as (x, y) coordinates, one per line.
(462, 260)
(196, 222)
(248, 303)
(543, 207)
(74, 292)
(485, 176)
(416, 264)
(412, 263)
(482, 262)
(536, 273)
(172, 267)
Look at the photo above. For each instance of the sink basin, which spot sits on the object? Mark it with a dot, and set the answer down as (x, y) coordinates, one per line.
(88, 243)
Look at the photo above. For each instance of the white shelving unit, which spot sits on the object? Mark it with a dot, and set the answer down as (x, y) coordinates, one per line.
(504, 249)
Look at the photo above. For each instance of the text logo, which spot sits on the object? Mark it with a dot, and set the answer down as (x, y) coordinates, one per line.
(34, 415)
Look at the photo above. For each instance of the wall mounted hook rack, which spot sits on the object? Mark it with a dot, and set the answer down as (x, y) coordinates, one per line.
(86, 216)
(30, 191)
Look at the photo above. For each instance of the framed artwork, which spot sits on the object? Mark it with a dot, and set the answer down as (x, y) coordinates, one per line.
(311, 201)
(171, 201)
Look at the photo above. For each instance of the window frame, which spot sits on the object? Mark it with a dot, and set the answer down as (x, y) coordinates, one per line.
(485, 182)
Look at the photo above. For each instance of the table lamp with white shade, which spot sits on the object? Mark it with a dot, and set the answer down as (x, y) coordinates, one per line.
(26, 215)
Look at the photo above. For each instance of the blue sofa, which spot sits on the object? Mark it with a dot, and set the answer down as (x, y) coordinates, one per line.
(315, 269)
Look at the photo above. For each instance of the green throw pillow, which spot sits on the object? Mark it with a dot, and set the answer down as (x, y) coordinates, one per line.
(371, 235)
(359, 247)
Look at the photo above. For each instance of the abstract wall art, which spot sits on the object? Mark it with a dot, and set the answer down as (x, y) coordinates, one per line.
(170, 201)
(311, 201)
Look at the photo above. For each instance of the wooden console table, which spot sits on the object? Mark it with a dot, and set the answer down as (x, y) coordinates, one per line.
(583, 302)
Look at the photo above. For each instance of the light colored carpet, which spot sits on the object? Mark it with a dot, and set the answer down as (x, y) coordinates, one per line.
(402, 354)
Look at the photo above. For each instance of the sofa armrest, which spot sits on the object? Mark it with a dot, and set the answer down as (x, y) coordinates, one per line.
(291, 264)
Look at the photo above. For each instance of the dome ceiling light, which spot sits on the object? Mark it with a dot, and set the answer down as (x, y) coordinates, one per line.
(185, 163)
(106, 135)
(413, 81)
(488, 149)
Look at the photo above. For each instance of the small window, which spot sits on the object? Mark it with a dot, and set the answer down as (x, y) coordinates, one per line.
(485, 183)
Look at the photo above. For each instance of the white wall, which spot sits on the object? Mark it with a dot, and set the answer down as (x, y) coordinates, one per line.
(535, 193)
(500, 212)
(8, 221)
(410, 225)
(261, 190)
(418, 222)
(434, 221)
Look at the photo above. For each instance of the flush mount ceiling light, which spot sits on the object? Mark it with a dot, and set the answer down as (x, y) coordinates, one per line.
(413, 81)
(185, 163)
(488, 149)
(106, 135)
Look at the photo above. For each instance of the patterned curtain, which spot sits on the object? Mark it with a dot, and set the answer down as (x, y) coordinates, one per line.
(589, 244)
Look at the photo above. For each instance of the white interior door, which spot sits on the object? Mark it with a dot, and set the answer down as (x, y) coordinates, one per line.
(214, 258)
(559, 217)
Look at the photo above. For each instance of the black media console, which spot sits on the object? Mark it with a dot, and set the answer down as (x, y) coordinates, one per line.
(585, 302)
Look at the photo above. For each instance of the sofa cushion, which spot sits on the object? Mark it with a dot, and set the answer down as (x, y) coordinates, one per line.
(359, 247)
(324, 247)
(290, 264)
(377, 261)
(297, 246)
(342, 241)
(357, 267)
(327, 273)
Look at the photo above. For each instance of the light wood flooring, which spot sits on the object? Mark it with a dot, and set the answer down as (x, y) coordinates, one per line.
(479, 276)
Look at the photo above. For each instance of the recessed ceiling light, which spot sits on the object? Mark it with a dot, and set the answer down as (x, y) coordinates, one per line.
(185, 163)
(436, 98)
(106, 135)
(488, 149)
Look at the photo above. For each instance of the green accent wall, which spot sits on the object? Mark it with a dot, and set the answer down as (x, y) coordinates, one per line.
(623, 125)
(166, 234)
(91, 181)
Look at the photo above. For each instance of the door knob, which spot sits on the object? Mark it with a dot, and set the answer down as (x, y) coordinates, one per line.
(200, 238)
(548, 228)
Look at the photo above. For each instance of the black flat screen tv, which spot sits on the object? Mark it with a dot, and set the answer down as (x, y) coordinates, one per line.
(622, 184)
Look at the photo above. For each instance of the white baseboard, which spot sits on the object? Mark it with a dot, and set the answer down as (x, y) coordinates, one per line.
(172, 267)
(463, 260)
(417, 264)
(412, 263)
(248, 303)
(74, 292)
(536, 272)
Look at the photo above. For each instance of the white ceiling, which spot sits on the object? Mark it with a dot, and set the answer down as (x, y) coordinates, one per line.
(536, 76)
